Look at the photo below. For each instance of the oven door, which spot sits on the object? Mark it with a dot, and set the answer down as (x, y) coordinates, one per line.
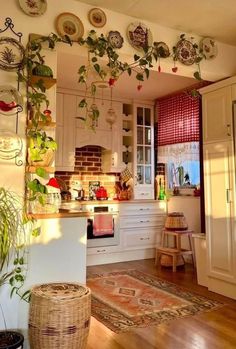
(101, 237)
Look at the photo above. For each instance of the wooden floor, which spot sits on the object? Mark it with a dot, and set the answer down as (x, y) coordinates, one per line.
(210, 330)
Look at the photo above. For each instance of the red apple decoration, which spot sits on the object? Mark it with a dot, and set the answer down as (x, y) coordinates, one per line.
(139, 87)
(111, 81)
(174, 69)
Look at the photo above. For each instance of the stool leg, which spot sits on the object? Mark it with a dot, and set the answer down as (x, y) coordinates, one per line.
(192, 249)
(174, 262)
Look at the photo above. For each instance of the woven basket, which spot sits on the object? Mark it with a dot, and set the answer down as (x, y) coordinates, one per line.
(176, 221)
(59, 316)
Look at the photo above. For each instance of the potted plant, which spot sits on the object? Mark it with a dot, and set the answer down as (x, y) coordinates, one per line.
(41, 148)
(15, 229)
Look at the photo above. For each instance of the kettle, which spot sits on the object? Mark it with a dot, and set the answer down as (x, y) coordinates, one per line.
(101, 193)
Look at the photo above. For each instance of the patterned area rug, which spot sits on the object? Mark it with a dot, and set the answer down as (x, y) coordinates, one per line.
(126, 299)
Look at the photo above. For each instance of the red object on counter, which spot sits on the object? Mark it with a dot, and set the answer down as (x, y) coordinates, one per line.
(101, 193)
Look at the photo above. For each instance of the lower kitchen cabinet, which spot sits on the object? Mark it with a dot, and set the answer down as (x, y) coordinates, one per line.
(140, 226)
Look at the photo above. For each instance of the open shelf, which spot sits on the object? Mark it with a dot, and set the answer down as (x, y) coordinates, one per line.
(32, 169)
(48, 82)
(43, 125)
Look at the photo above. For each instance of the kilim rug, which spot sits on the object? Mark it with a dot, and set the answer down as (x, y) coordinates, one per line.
(127, 299)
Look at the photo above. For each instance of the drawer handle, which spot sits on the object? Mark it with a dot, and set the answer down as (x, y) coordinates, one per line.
(144, 221)
(144, 209)
(144, 238)
(101, 250)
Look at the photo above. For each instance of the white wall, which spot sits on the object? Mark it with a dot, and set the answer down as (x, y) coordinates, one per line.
(12, 176)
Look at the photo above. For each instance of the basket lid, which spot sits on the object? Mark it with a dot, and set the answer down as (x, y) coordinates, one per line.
(60, 290)
(175, 214)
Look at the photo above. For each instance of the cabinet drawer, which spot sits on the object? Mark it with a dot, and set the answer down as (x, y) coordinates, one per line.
(142, 209)
(142, 221)
(143, 238)
(143, 193)
(102, 250)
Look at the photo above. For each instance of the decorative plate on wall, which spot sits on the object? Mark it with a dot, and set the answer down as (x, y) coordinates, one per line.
(69, 24)
(139, 35)
(11, 100)
(209, 48)
(115, 39)
(12, 54)
(186, 52)
(97, 17)
(33, 7)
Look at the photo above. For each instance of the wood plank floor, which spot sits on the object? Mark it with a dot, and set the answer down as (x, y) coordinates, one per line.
(210, 330)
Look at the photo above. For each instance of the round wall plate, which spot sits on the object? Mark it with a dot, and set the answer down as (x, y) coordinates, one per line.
(139, 35)
(70, 25)
(209, 48)
(97, 17)
(33, 8)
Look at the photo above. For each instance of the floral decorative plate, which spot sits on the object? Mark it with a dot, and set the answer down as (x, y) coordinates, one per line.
(33, 7)
(12, 54)
(10, 145)
(10, 100)
(139, 35)
(115, 39)
(162, 49)
(97, 17)
(209, 48)
(186, 52)
(69, 24)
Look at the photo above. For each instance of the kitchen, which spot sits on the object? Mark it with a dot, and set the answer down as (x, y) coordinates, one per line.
(156, 209)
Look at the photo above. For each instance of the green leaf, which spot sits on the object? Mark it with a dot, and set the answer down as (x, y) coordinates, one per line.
(97, 68)
(136, 57)
(197, 75)
(147, 73)
(139, 77)
(36, 232)
(41, 172)
(83, 103)
(94, 59)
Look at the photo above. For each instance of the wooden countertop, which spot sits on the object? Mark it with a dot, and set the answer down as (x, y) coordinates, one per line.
(63, 213)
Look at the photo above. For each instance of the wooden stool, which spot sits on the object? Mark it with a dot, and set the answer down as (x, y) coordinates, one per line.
(177, 250)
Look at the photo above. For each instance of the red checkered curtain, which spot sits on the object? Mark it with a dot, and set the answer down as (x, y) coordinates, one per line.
(178, 119)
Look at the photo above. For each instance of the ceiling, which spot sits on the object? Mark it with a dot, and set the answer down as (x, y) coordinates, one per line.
(211, 18)
(158, 85)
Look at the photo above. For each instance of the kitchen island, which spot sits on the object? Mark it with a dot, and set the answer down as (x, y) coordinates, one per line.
(57, 254)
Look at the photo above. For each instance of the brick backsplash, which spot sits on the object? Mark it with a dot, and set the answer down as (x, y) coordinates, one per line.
(88, 168)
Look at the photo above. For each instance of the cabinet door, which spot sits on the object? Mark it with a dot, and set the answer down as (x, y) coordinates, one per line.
(217, 115)
(65, 132)
(219, 210)
(143, 153)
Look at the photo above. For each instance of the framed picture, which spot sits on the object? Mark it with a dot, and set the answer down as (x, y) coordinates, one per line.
(97, 17)
(69, 24)
(93, 187)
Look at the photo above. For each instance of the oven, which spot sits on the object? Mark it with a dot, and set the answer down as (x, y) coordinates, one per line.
(102, 226)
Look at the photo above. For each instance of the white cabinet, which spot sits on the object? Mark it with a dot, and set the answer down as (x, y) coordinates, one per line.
(217, 115)
(65, 132)
(104, 135)
(219, 210)
(219, 186)
(141, 224)
(143, 148)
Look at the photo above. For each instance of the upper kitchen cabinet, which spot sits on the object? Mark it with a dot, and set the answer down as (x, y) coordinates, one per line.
(143, 150)
(217, 115)
(103, 134)
(65, 132)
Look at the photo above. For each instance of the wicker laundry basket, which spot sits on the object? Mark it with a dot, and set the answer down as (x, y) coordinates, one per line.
(176, 221)
(59, 316)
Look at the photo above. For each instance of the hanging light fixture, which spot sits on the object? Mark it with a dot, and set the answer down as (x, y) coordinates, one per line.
(111, 114)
